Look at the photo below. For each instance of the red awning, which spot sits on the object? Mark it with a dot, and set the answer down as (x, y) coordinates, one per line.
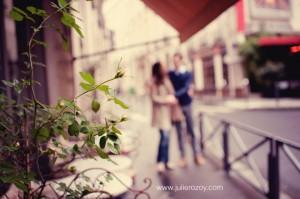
(279, 41)
(188, 16)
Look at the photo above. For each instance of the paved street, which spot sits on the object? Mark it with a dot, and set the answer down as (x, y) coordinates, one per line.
(278, 122)
(209, 174)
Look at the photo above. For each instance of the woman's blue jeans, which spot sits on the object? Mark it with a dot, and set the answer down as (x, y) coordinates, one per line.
(163, 148)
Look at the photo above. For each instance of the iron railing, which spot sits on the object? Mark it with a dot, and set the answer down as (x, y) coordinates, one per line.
(270, 187)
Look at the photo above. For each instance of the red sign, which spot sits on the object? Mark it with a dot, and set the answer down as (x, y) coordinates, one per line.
(295, 49)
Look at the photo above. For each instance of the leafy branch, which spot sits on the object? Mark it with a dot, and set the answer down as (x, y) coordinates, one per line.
(31, 131)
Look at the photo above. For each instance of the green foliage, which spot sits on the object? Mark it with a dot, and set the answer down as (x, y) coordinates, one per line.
(88, 78)
(95, 106)
(260, 69)
(19, 15)
(119, 102)
(35, 11)
(69, 21)
(30, 129)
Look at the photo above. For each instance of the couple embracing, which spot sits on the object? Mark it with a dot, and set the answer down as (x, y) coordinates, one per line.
(171, 94)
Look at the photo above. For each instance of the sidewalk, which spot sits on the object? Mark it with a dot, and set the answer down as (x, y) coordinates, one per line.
(220, 105)
(262, 103)
(210, 174)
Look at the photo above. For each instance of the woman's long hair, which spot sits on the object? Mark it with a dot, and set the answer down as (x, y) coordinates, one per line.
(157, 73)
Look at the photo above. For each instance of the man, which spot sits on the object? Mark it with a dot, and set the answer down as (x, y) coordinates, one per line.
(182, 83)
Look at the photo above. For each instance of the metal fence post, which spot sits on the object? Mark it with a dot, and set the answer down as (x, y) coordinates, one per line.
(273, 170)
(201, 128)
(226, 147)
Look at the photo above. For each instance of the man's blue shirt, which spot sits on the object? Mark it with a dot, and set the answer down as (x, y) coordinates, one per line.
(181, 82)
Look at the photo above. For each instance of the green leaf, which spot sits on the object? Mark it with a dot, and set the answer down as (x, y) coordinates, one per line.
(84, 129)
(101, 153)
(123, 119)
(113, 149)
(74, 129)
(16, 16)
(117, 147)
(120, 103)
(35, 11)
(86, 86)
(69, 21)
(43, 134)
(115, 130)
(75, 149)
(10, 148)
(31, 9)
(90, 139)
(112, 137)
(19, 11)
(95, 106)
(6, 167)
(102, 142)
(101, 131)
(87, 77)
(21, 186)
(62, 3)
(104, 88)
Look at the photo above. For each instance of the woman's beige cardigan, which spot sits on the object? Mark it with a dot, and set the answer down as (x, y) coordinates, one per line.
(162, 112)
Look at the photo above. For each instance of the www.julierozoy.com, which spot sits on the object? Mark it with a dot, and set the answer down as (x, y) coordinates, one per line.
(183, 187)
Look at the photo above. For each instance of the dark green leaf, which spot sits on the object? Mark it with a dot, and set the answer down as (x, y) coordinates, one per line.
(6, 167)
(84, 129)
(43, 134)
(101, 131)
(74, 129)
(75, 148)
(101, 153)
(123, 119)
(112, 137)
(21, 186)
(95, 106)
(90, 139)
(102, 142)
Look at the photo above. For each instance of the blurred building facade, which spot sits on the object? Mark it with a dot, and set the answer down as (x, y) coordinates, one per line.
(89, 52)
(60, 77)
(213, 52)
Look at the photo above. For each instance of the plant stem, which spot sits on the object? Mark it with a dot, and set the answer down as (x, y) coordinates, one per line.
(27, 154)
(95, 88)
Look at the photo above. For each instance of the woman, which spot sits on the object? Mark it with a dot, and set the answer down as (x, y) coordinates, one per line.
(162, 99)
